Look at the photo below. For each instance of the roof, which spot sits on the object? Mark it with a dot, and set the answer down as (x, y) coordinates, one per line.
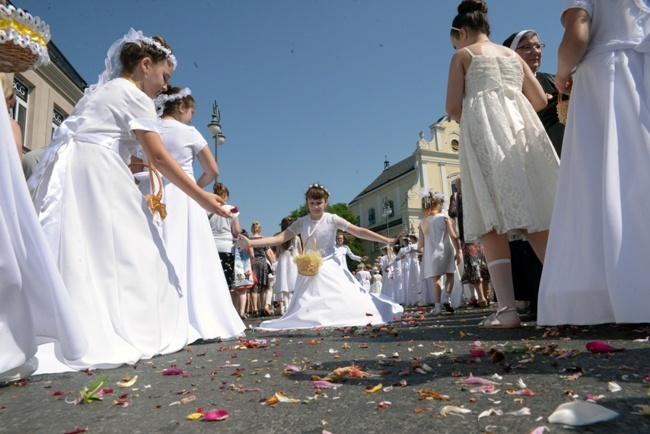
(395, 171)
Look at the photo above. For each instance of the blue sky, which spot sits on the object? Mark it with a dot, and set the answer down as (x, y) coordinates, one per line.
(309, 90)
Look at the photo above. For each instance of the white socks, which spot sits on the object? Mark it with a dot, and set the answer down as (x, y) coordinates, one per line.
(501, 276)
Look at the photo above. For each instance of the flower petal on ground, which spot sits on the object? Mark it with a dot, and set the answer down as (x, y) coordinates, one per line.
(322, 384)
(491, 411)
(454, 410)
(475, 380)
(216, 415)
(613, 387)
(602, 347)
(579, 413)
(524, 411)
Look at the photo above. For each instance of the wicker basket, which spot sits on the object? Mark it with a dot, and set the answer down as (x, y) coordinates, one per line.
(23, 40)
(14, 58)
(562, 108)
(309, 262)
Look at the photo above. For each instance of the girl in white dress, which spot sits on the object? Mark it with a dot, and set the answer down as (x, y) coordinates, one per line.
(376, 285)
(507, 162)
(286, 272)
(599, 232)
(34, 304)
(186, 230)
(438, 255)
(332, 297)
(363, 277)
(386, 272)
(414, 283)
(98, 225)
(342, 250)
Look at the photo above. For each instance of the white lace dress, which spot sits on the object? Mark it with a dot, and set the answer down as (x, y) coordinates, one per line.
(190, 245)
(507, 161)
(333, 297)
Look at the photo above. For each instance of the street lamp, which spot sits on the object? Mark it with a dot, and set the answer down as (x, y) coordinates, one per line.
(215, 129)
(385, 213)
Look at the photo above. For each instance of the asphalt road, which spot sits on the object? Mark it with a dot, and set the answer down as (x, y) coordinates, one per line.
(414, 365)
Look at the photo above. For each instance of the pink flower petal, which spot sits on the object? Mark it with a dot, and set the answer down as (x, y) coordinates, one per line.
(216, 415)
(322, 384)
(172, 372)
(602, 347)
(477, 352)
(475, 380)
(292, 368)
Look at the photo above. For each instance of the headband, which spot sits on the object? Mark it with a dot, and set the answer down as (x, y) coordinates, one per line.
(515, 42)
(162, 99)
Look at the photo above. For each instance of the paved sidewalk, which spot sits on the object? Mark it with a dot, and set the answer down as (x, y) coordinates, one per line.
(406, 362)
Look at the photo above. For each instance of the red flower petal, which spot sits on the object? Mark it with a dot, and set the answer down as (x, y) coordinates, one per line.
(602, 347)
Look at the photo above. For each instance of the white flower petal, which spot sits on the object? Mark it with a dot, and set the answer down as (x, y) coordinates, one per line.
(579, 413)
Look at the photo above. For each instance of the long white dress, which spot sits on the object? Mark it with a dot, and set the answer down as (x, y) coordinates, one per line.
(363, 277)
(508, 164)
(286, 272)
(190, 245)
(414, 283)
(333, 297)
(98, 225)
(34, 304)
(599, 235)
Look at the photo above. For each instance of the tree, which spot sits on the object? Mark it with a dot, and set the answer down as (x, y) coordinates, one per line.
(340, 209)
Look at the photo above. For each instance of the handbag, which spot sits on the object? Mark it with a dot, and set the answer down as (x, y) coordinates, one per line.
(243, 276)
(154, 200)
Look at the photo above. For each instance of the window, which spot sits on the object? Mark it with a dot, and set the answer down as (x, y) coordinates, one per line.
(371, 217)
(454, 145)
(388, 206)
(358, 220)
(57, 119)
(20, 109)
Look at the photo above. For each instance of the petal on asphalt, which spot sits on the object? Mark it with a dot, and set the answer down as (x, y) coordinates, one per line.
(579, 413)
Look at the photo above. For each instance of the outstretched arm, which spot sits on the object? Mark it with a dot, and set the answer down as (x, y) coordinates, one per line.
(160, 158)
(369, 235)
(275, 240)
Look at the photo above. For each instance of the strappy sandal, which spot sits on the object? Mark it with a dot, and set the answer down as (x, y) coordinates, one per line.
(493, 321)
(482, 304)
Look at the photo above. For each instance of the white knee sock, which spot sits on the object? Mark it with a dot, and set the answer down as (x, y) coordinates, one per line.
(501, 275)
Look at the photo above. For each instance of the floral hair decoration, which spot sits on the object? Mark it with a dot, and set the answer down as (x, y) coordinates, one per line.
(322, 187)
(114, 65)
(162, 99)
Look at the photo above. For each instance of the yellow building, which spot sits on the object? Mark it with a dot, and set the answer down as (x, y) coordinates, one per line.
(45, 97)
(390, 204)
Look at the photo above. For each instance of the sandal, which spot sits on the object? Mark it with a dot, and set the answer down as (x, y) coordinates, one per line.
(483, 303)
(243, 316)
(448, 307)
(493, 321)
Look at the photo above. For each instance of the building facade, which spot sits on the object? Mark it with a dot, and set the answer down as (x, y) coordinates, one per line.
(391, 203)
(45, 97)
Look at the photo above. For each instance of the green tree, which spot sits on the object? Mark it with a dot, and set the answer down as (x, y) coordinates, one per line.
(340, 209)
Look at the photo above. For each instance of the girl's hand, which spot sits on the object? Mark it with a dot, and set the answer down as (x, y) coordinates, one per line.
(212, 203)
(564, 83)
(397, 238)
(242, 242)
(458, 257)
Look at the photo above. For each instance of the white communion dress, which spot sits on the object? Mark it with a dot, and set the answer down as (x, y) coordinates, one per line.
(34, 304)
(596, 255)
(508, 164)
(286, 272)
(190, 245)
(333, 297)
(107, 248)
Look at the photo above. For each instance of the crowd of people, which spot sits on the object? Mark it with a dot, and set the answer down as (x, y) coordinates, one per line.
(117, 233)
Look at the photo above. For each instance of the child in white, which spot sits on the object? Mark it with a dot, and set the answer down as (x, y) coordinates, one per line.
(436, 236)
(286, 272)
(508, 164)
(376, 285)
(186, 230)
(99, 227)
(333, 297)
(363, 277)
(341, 250)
